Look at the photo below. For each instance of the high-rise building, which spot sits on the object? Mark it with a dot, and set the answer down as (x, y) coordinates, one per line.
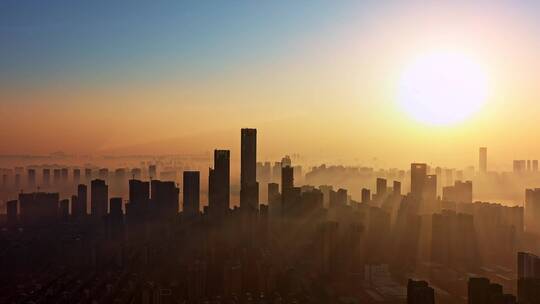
(139, 199)
(115, 207)
(139, 192)
(532, 211)
(191, 201)
(288, 192)
(519, 166)
(79, 202)
(430, 187)
(46, 177)
(31, 178)
(338, 198)
(528, 278)
(381, 187)
(64, 172)
(273, 194)
(482, 159)
(482, 291)
(99, 198)
(56, 177)
(249, 188)
(286, 161)
(276, 172)
(461, 192)
(418, 178)
(287, 179)
(396, 187)
(419, 292)
(76, 176)
(219, 182)
(64, 209)
(165, 198)
(38, 207)
(366, 196)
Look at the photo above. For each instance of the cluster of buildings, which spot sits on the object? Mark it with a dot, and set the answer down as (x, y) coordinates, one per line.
(305, 244)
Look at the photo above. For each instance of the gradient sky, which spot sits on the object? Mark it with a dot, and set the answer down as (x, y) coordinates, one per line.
(315, 77)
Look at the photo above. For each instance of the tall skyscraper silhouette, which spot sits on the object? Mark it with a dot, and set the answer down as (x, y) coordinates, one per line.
(366, 195)
(287, 179)
(482, 164)
(165, 198)
(99, 198)
(219, 182)
(79, 202)
(381, 187)
(191, 185)
(249, 188)
(418, 178)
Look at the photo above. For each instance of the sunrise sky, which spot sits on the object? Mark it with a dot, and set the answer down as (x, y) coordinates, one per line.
(319, 78)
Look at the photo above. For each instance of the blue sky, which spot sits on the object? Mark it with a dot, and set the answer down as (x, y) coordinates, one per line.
(89, 40)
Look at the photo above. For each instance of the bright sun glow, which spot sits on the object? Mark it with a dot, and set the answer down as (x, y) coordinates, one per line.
(443, 88)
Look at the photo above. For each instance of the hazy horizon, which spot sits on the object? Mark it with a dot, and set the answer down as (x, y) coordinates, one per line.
(316, 79)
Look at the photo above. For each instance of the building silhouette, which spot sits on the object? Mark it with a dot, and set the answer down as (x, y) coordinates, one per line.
(418, 178)
(419, 292)
(249, 187)
(482, 159)
(191, 194)
(219, 183)
(99, 198)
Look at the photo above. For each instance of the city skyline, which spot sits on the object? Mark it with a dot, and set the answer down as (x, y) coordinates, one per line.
(248, 152)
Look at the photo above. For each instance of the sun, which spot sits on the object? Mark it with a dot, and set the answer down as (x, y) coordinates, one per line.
(442, 88)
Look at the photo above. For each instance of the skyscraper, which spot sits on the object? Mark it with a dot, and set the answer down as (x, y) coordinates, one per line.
(381, 187)
(88, 174)
(419, 292)
(532, 210)
(139, 198)
(273, 194)
(396, 188)
(76, 176)
(430, 187)
(249, 188)
(418, 178)
(482, 162)
(31, 178)
(366, 196)
(139, 192)
(64, 173)
(46, 177)
(56, 177)
(191, 200)
(99, 198)
(79, 205)
(287, 179)
(219, 182)
(528, 277)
